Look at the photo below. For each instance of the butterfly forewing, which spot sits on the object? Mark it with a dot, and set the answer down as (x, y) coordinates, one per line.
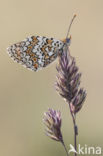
(35, 52)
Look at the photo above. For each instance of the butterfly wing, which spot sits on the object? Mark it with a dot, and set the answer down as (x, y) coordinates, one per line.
(35, 52)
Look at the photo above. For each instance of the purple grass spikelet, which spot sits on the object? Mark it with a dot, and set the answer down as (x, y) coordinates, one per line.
(68, 82)
(52, 120)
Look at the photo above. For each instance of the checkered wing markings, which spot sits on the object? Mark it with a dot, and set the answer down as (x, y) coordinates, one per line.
(35, 52)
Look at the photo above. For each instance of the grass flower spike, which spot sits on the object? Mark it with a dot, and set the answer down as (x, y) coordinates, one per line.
(52, 120)
(67, 85)
(68, 81)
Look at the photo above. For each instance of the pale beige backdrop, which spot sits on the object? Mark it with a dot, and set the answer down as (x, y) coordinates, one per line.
(25, 95)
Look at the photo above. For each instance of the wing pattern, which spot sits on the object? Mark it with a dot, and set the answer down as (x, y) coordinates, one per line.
(35, 52)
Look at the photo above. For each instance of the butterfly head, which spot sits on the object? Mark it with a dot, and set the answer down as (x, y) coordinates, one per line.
(67, 41)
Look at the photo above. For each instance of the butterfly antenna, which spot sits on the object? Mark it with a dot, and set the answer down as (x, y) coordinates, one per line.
(70, 25)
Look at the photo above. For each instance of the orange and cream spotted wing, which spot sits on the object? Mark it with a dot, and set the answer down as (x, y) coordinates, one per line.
(36, 52)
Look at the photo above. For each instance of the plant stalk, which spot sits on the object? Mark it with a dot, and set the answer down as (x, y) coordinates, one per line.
(65, 148)
(75, 135)
(75, 129)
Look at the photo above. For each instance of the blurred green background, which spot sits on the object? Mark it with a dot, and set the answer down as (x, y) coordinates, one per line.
(26, 95)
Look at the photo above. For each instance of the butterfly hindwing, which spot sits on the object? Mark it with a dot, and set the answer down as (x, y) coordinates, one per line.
(35, 52)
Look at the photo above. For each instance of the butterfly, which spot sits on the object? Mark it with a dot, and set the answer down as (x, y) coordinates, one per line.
(36, 52)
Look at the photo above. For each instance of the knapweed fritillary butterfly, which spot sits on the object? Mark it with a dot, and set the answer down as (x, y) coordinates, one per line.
(36, 52)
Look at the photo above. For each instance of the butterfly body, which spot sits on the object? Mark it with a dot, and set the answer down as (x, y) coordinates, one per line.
(36, 52)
